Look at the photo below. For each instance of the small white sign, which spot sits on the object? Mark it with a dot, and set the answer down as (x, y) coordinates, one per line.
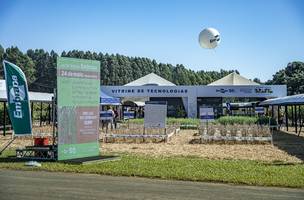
(128, 114)
(2, 85)
(106, 115)
(259, 110)
(206, 114)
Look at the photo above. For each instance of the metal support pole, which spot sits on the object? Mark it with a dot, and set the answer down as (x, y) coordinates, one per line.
(286, 117)
(272, 111)
(49, 114)
(40, 114)
(279, 121)
(292, 116)
(54, 116)
(4, 118)
(32, 110)
(300, 117)
(296, 119)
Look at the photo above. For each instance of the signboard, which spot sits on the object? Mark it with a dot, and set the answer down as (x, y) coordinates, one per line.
(196, 91)
(128, 114)
(2, 85)
(78, 85)
(259, 110)
(206, 114)
(106, 115)
(155, 114)
(18, 99)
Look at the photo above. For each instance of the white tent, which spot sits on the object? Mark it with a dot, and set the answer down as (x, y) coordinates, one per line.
(288, 100)
(233, 79)
(150, 79)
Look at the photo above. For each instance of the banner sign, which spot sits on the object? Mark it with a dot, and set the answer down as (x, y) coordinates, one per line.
(106, 115)
(18, 99)
(128, 114)
(155, 114)
(78, 85)
(206, 114)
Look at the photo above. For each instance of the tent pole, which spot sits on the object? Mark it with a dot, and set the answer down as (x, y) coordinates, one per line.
(279, 122)
(40, 114)
(4, 120)
(286, 116)
(292, 116)
(49, 113)
(296, 118)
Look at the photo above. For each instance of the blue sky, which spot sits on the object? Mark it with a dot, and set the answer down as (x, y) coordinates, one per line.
(258, 37)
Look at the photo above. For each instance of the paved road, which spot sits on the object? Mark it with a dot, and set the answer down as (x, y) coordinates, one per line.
(45, 185)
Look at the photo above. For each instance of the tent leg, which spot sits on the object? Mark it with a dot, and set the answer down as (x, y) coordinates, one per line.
(296, 119)
(4, 118)
(40, 114)
(286, 117)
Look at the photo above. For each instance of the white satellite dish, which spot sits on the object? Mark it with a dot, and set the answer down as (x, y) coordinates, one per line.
(209, 38)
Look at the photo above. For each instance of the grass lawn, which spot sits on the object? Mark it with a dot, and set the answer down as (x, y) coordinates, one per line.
(184, 168)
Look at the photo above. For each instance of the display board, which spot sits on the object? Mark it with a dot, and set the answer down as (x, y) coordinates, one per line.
(128, 114)
(155, 114)
(259, 110)
(106, 115)
(78, 88)
(206, 114)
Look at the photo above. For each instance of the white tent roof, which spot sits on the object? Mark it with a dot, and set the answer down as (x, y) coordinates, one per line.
(288, 100)
(233, 79)
(150, 79)
(33, 96)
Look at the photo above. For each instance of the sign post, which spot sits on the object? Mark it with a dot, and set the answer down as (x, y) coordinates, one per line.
(78, 88)
(206, 115)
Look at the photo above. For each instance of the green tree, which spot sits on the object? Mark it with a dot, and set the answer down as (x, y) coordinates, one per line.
(14, 55)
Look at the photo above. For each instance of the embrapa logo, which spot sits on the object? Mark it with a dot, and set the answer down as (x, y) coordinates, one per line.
(17, 95)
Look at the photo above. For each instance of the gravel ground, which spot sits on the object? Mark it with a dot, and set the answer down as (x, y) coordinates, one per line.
(180, 145)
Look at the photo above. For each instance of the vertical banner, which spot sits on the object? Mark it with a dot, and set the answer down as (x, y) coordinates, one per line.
(17, 99)
(78, 95)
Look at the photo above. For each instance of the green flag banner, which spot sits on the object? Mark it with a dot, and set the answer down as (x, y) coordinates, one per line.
(18, 99)
(78, 88)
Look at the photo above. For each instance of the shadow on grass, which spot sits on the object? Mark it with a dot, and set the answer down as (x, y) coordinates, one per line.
(290, 143)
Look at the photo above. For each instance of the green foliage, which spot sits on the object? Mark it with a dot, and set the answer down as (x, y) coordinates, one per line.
(40, 68)
(232, 120)
(185, 168)
(236, 120)
(171, 121)
(264, 120)
(292, 76)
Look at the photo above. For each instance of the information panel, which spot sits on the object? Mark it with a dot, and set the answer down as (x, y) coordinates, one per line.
(78, 88)
(206, 114)
(155, 114)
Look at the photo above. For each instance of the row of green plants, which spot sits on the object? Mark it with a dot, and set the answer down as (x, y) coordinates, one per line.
(225, 120)
(232, 120)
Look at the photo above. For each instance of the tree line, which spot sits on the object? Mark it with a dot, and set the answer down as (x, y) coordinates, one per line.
(39, 67)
